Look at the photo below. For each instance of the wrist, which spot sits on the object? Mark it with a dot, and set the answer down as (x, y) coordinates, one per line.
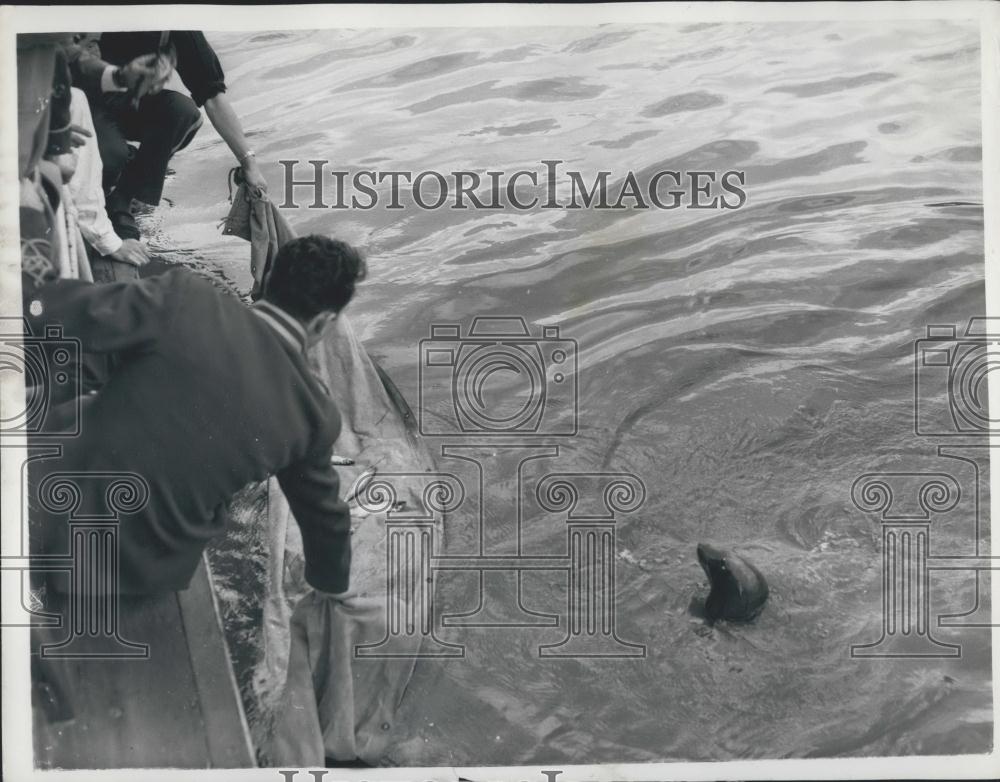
(248, 159)
(110, 245)
(110, 77)
(118, 78)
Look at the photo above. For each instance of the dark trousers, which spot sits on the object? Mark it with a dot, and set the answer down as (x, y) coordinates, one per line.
(162, 124)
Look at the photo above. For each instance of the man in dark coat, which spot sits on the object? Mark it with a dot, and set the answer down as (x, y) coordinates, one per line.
(208, 396)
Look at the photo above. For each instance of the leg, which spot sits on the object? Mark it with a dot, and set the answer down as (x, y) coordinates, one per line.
(111, 143)
(164, 124)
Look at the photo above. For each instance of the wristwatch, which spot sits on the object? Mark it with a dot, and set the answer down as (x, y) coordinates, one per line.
(118, 77)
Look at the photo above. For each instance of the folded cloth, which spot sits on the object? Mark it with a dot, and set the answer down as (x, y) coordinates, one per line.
(355, 699)
(256, 218)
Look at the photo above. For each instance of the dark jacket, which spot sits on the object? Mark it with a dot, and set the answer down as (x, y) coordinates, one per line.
(197, 64)
(208, 396)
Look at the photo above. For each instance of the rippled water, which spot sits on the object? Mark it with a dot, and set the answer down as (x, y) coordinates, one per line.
(748, 365)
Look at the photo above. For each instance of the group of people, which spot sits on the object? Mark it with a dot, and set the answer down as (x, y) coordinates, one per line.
(201, 393)
(82, 99)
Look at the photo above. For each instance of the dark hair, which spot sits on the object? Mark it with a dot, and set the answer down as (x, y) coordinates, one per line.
(314, 274)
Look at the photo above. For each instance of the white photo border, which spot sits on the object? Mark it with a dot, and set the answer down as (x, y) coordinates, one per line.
(16, 707)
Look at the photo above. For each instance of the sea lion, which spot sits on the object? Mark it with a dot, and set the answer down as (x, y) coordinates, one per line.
(739, 590)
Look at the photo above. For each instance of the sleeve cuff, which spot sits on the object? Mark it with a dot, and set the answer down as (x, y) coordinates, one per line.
(332, 576)
(108, 244)
(207, 92)
(108, 81)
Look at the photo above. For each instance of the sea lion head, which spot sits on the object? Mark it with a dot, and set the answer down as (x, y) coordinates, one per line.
(739, 589)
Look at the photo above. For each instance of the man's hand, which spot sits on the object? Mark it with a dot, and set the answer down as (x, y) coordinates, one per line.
(132, 251)
(252, 175)
(78, 136)
(146, 74)
(340, 596)
(349, 602)
(223, 118)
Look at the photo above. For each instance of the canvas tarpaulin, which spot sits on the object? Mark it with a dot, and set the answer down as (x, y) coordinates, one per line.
(317, 696)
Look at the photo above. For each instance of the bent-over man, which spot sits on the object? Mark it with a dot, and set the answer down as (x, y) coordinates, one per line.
(207, 396)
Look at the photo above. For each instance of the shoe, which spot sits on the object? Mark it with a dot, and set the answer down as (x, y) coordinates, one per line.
(124, 225)
(122, 212)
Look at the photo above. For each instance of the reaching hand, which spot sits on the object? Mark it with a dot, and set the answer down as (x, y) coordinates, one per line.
(345, 595)
(132, 251)
(349, 600)
(252, 175)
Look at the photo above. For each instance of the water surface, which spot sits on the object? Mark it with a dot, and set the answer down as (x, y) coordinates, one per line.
(748, 365)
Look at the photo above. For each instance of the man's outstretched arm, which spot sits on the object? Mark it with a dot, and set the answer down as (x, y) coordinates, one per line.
(225, 120)
(313, 492)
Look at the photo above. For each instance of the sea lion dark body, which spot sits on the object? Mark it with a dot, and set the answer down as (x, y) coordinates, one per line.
(739, 590)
